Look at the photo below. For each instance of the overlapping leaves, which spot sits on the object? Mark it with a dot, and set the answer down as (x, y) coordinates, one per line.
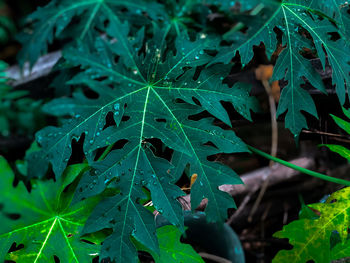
(42, 224)
(152, 91)
(301, 23)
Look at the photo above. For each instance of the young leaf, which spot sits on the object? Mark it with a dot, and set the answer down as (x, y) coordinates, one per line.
(345, 125)
(311, 238)
(42, 221)
(171, 249)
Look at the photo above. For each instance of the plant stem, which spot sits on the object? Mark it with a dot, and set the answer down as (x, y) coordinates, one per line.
(300, 169)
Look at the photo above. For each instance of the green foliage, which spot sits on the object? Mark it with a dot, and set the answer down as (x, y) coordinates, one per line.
(55, 20)
(7, 26)
(313, 237)
(43, 221)
(149, 73)
(171, 249)
(148, 91)
(297, 22)
(321, 234)
(345, 125)
(18, 113)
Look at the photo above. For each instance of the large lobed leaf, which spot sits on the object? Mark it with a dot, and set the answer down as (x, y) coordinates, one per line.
(151, 96)
(42, 224)
(293, 18)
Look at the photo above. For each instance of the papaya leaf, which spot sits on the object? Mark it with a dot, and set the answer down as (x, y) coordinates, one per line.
(292, 18)
(55, 19)
(311, 238)
(150, 94)
(335, 10)
(171, 249)
(42, 224)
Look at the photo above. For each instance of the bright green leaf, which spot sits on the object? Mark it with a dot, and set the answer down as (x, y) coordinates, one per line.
(47, 225)
(311, 238)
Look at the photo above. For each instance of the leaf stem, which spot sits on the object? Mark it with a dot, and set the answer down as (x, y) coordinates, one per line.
(300, 169)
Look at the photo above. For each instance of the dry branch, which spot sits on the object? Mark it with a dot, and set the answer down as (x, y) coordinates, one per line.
(254, 180)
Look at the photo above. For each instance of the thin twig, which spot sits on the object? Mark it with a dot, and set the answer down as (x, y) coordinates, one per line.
(323, 133)
(240, 208)
(274, 146)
